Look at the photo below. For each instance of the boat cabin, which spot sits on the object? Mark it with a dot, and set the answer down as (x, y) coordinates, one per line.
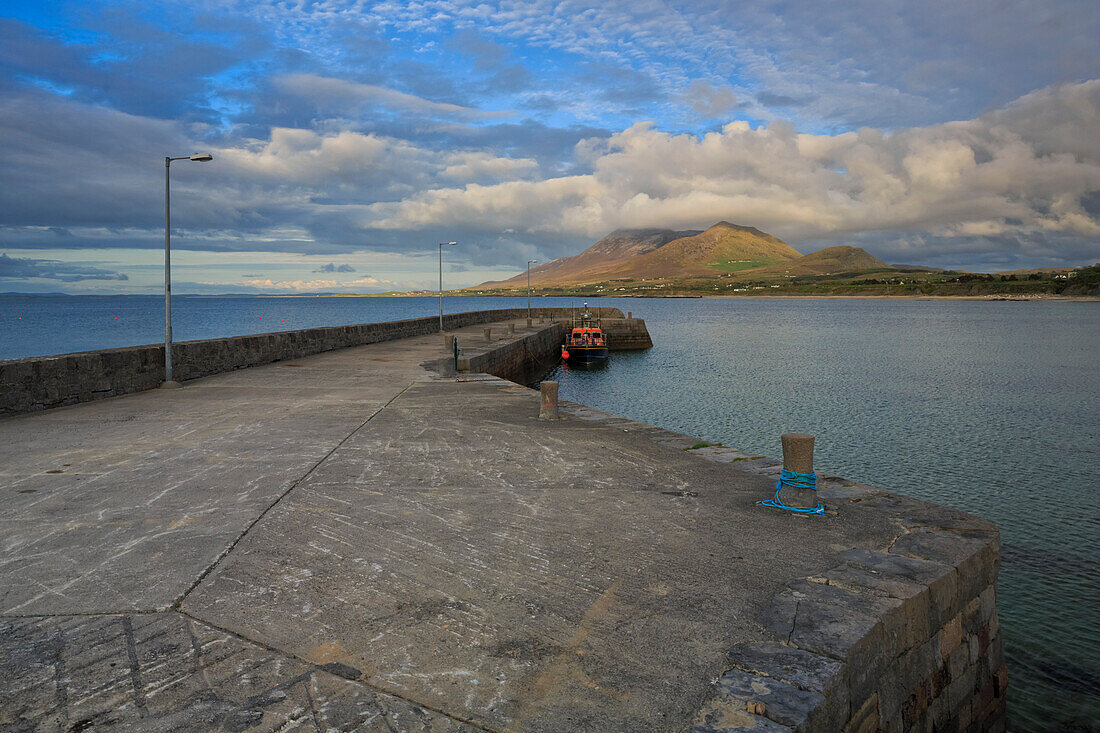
(586, 337)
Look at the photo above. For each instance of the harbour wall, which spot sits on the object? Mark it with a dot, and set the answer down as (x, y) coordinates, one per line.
(520, 360)
(526, 358)
(39, 383)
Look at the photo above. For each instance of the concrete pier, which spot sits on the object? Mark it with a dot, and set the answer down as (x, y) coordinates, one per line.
(355, 541)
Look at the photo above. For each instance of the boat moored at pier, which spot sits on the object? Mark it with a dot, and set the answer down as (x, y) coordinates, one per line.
(586, 342)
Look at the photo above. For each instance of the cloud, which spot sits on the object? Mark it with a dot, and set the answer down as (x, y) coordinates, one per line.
(332, 267)
(19, 268)
(865, 62)
(342, 126)
(781, 100)
(1023, 173)
(314, 285)
(1023, 176)
(342, 96)
(709, 100)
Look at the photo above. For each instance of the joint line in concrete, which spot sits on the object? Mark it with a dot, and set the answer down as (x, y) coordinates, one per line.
(176, 605)
(318, 667)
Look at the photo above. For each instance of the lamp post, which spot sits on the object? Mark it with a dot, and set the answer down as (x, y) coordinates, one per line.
(170, 383)
(529, 263)
(441, 246)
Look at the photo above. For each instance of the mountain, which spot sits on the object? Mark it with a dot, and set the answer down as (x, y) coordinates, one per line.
(724, 247)
(634, 254)
(617, 247)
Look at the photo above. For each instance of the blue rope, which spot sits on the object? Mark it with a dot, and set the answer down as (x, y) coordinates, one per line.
(795, 480)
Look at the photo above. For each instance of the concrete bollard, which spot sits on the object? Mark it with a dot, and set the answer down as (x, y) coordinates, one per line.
(488, 335)
(528, 323)
(511, 328)
(448, 346)
(548, 404)
(798, 456)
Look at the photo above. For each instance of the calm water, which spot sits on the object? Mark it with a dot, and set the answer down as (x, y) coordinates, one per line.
(37, 326)
(991, 407)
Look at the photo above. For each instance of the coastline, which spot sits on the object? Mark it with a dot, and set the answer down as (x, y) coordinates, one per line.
(789, 296)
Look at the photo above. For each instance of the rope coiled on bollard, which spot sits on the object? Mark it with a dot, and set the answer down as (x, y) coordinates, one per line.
(795, 480)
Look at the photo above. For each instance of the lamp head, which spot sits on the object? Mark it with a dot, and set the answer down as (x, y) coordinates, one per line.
(201, 157)
(444, 244)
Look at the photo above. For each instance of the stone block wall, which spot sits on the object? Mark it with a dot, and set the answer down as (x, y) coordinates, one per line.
(519, 360)
(899, 640)
(39, 383)
(903, 639)
(626, 334)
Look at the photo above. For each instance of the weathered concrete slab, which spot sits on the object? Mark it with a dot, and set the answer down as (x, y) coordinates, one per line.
(166, 672)
(522, 574)
(120, 505)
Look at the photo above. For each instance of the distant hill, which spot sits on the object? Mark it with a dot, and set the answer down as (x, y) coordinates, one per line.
(828, 261)
(724, 247)
(733, 259)
(591, 265)
(634, 254)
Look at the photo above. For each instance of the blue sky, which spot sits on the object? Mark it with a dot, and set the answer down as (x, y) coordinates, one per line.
(350, 137)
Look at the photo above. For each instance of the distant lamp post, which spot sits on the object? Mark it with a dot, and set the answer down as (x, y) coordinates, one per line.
(441, 246)
(170, 383)
(529, 263)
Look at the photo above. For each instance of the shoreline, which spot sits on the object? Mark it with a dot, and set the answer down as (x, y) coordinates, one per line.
(788, 296)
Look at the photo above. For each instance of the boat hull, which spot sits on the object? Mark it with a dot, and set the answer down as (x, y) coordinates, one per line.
(585, 354)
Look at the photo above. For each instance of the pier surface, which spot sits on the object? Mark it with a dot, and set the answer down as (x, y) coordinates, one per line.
(351, 541)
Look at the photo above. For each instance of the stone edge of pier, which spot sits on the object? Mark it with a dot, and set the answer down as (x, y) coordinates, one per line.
(44, 382)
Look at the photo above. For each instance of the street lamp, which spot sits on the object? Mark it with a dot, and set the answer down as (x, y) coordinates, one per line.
(441, 246)
(529, 263)
(170, 383)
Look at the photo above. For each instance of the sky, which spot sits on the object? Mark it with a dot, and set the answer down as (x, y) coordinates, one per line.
(351, 137)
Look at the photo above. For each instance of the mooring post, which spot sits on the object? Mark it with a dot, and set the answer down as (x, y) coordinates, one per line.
(548, 405)
(798, 456)
(488, 335)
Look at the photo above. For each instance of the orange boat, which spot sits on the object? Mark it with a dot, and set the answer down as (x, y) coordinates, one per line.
(586, 344)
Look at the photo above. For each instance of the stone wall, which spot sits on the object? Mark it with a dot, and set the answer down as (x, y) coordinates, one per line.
(39, 383)
(518, 360)
(905, 638)
(522, 360)
(626, 334)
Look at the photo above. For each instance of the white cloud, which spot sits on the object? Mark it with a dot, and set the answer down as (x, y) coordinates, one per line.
(885, 62)
(312, 285)
(340, 94)
(1023, 169)
(373, 165)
